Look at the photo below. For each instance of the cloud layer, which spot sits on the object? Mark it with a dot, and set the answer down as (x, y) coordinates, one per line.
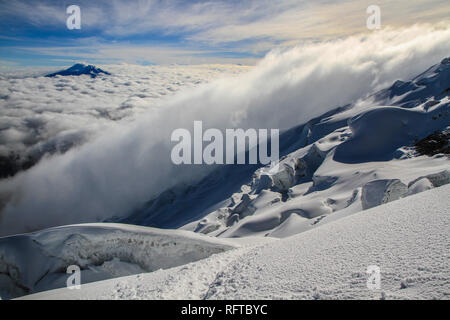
(130, 163)
(42, 116)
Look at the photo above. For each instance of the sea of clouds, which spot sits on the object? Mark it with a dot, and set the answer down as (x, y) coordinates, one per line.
(129, 163)
(41, 116)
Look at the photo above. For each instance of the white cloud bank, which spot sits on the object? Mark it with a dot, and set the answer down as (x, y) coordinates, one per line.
(130, 164)
(49, 115)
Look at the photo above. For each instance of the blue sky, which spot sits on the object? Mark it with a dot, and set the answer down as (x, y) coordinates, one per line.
(34, 33)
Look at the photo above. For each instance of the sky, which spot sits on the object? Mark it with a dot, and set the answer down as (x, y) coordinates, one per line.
(147, 32)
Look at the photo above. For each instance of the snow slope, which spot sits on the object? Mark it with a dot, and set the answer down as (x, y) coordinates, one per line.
(348, 159)
(38, 261)
(408, 239)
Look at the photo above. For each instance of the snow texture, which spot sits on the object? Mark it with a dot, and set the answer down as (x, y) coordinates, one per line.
(408, 239)
(38, 261)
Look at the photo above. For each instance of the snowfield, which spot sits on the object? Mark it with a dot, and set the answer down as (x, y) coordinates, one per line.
(408, 239)
(102, 251)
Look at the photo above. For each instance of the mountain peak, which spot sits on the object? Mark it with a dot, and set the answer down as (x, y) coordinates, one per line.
(80, 69)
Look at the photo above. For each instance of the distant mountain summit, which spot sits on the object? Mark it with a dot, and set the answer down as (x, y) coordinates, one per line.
(79, 69)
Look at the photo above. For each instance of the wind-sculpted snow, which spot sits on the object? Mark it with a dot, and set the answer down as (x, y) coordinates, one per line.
(378, 133)
(319, 189)
(119, 172)
(377, 192)
(407, 239)
(345, 161)
(38, 261)
(434, 82)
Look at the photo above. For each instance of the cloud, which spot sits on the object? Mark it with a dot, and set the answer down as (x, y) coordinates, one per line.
(250, 27)
(130, 163)
(42, 116)
(286, 19)
(134, 54)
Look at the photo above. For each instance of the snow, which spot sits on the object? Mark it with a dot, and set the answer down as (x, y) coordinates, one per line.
(408, 239)
(381, 191)
(349, 159)
(102, 251)
(422, 184)
(378, 133)
(331, 187)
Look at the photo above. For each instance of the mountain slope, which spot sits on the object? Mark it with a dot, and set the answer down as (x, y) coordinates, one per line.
(326, 166)
(408, 239)
(101, 251)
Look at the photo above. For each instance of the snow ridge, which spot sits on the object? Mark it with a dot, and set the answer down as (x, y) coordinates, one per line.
(102, 251)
